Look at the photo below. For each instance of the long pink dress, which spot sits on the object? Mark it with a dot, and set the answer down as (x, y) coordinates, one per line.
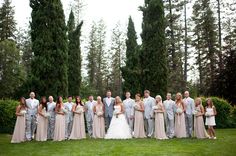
(159, 125)
(139, 131)
(180, 129)
(19, 130)
(98, 123)
(59, 132)
(42, 127)
(78, 128)
(199, 127)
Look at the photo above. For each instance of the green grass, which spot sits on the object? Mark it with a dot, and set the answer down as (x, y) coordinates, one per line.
(224, 145)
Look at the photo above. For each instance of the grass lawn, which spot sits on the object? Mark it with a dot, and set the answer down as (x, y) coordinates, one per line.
(224, 145)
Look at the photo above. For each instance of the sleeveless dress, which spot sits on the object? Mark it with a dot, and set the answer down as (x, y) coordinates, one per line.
(159, 125)
(98, 123)
(210, 121)
(180, 129)
(19, 130)
(78, 128)
(42, 127)
(139, 131)
(59, 132)
(119, 128)
(199, 127)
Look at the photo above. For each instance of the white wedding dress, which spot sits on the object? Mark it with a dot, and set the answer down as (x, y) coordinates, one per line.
(119, 128)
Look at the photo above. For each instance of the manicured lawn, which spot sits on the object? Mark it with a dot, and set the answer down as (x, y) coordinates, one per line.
(224, 145)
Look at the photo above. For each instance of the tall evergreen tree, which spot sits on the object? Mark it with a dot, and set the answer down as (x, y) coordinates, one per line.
(74, 56)
(154, 55)
(50, 47)
(7, 22)
(131, 71)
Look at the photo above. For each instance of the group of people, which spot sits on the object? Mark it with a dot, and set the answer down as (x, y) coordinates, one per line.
(112, 118)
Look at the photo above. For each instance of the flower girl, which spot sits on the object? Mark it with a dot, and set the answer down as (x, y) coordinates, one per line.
(19, 130)
(210, 118)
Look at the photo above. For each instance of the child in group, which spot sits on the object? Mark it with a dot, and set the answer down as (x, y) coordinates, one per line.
(210, 117)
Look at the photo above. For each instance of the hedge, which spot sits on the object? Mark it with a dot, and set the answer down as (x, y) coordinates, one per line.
(226, 114)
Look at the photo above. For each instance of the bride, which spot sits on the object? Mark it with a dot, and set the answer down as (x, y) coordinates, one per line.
(119, 128)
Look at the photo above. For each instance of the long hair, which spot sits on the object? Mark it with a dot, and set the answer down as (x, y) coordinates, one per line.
(179, 100)
(58, 104)
(24, 103)
(44, 104)
(211, 102)
(78, 103)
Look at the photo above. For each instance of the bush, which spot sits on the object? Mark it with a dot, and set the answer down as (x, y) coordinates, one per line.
(224, 109)
(7, 115)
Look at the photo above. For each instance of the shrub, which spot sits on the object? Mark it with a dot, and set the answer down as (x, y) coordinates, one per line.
(223, 108)
(7, 115)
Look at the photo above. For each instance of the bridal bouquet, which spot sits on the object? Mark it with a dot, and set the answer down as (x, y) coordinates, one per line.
(115, 112)
(23, 112)
(99, 113)
(64, 110)
(155, 107)
(208, 114)
(80, 110)
(136, 107)
(179, 110)
(195, 112)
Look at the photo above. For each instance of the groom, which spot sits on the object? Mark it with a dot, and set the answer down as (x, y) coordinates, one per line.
(109, 103)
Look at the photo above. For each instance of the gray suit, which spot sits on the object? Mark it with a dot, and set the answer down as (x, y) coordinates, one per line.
(129, 112)
(51, 119)
(32, 105)
(189, 104)
(89, 116)
(68, 118)
(109, 107)
(169, 106)
(148, 115)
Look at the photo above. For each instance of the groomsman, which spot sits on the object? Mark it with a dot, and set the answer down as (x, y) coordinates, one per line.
(69, 116)
(129, 110)
(109, 103)
(169, 106)
(149, 102)
(51, 120)
(32, 105)
(89, 114)
(189, 103)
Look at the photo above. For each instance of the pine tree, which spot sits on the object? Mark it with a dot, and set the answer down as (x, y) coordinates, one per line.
(117, 50)
(7, 22)
(154, 55)
(74, 56)
(50, 47)
(131, 70)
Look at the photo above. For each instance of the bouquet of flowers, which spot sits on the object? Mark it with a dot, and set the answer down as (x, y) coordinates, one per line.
(195, 112)
(115, 112)
(23, 112)
(155, 107)
(80, 110)
(99, 113)
(179, 110)
(47, 114)
(64, 110)
(136, 107)
(208, 114)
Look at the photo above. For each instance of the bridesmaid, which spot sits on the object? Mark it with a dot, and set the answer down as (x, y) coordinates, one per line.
(210, 118)
(159, 119)
(199, 127)
(59, 132)
(98, 121)
(19, 130)
(42, 127)
(180, 129)
(139, 131)
(78, 128)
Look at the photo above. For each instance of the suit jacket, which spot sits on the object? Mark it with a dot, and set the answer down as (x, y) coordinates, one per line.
(169, 106)
(190, 106)
(109, 109)
(32, 106)
(148, 105)
(89, 106)
(129, 107)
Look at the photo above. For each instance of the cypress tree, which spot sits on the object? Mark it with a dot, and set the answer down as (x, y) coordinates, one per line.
(154, 55)
(131, 70)
(50, 48)
(74, 56)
